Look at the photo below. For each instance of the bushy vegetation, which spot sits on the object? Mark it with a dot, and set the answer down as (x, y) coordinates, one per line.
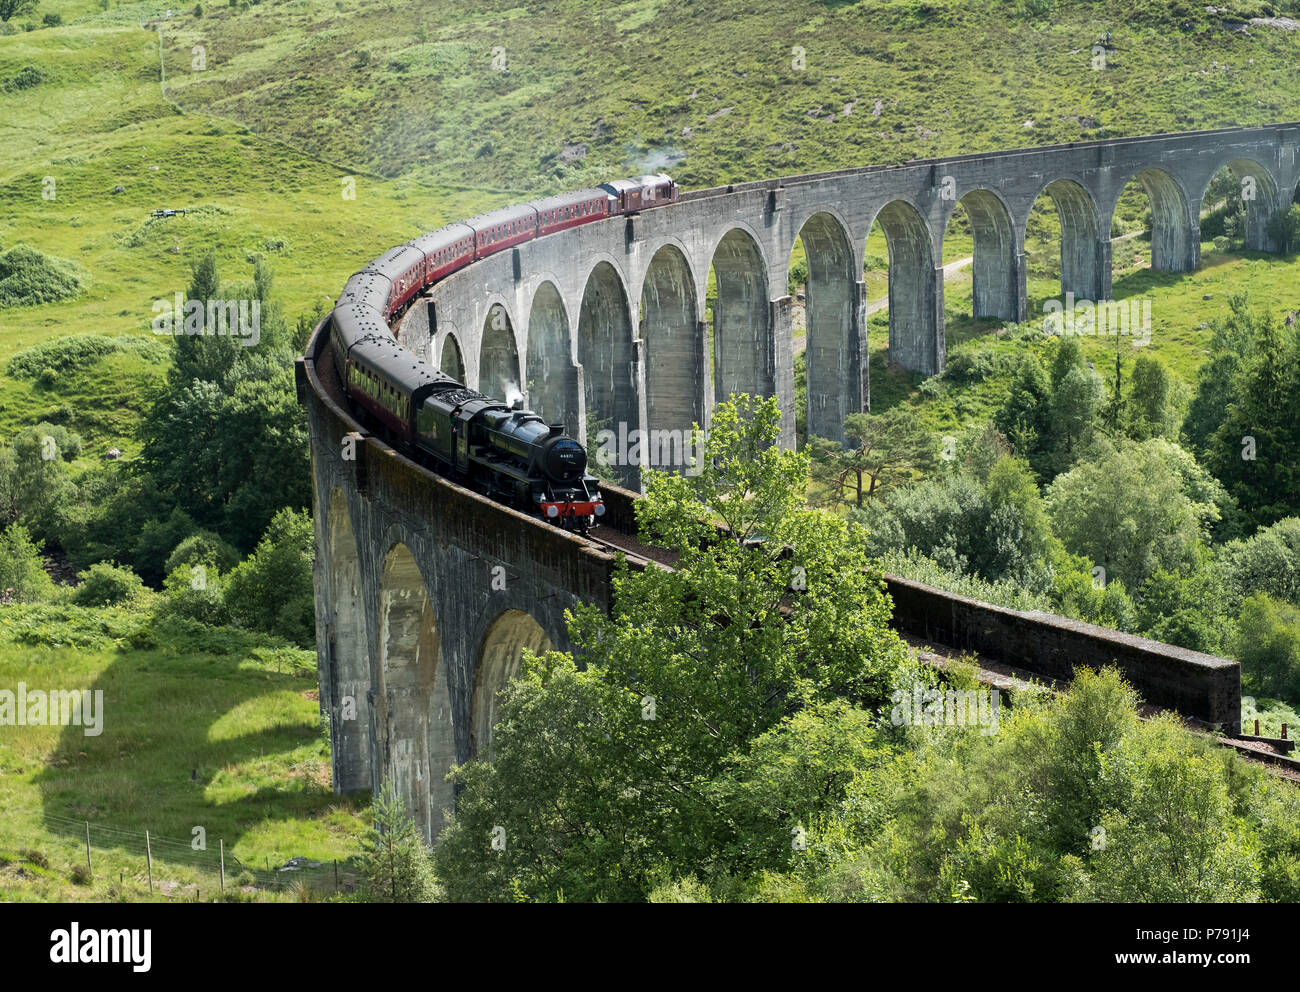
(223, 468)
(29, 277)
(107, 585)
(49, 361)
(22, 573)
(641, 759)
(272, 589)
(24, 79)
(1122, 498)
(398, 866)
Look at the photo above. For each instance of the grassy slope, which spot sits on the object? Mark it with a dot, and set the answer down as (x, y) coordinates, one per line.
(713, 84)
(100, 122)
(1179, 332)
(252, 735)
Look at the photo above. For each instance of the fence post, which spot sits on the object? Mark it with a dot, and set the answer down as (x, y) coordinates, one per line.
(336, 874)
(89, 867)
(148, 855)
(222, 842)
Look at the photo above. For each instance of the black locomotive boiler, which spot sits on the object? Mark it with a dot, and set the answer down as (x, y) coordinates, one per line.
(509, 454)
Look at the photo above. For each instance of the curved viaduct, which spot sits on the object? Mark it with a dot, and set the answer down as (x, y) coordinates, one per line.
(427, 593)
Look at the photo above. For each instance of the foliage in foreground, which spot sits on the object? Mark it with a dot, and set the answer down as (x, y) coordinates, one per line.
(666, 770)
(646, 757)
(395, 860)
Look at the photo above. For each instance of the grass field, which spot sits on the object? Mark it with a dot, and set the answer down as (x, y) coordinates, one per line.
(205, 735)
(1182, 306)
(525, 97)
(97, 123)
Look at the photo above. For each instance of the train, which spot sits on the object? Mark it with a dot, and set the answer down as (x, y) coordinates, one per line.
(498, 449)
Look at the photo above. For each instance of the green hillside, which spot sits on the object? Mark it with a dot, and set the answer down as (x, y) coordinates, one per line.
(261, 120)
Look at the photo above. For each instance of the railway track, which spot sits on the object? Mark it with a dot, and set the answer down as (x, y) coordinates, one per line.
(992, 673)
(640, 555)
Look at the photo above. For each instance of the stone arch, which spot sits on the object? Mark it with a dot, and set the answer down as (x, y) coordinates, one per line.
(348, 698)
(1261, 202)
(995, 289)
(1175, 234)
(498, 357)
(744, 358)
(673, 338)
(450, 362)
(552, 380)
(836, 372)
(606, 354)
(417, 705)
(499, 661)
(1082, 270)
(915, 337)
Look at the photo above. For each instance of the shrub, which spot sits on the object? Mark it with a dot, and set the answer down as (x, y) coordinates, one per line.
(1268, 562)
(933, 388)
(970, 365)
(1268, 647)
(157, 540)
(105, 584)
(29, 277)
(195, 592)
(1078, 594)
(81, 875)
(24, 79)
(52, 20)
(142, 639)
(203, 548)
(35, 488)
(22, 573)
(1284, 228)
(272, 590)
(49, 361)
(66, 445)
(798, 276)
(396, 862)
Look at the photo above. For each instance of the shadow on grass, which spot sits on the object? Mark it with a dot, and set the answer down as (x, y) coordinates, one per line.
(195, 741)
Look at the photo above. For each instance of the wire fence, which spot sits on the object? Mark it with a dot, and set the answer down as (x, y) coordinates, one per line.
(212, 858)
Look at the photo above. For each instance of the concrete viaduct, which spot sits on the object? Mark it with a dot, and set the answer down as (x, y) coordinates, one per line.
(427, 594)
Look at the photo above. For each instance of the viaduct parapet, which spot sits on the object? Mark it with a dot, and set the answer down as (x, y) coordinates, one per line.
(606, 322)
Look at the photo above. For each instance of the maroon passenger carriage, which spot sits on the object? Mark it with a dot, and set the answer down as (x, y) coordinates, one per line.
(508, 454)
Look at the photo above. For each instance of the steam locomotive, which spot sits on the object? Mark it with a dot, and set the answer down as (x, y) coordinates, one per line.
(503, 452)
